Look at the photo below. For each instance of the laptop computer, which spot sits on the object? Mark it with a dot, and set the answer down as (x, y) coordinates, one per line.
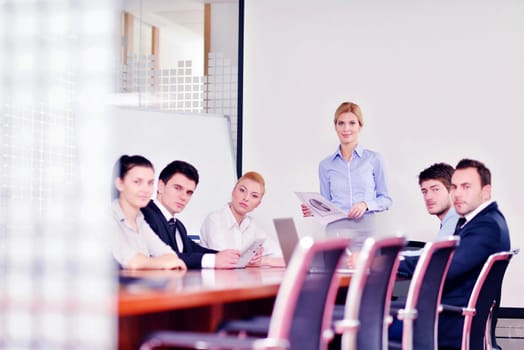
(287, 236)
(288, 239)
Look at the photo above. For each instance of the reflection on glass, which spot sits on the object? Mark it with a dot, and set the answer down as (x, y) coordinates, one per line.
(180, 56)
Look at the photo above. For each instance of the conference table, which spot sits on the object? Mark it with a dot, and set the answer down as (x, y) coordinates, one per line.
(196, 300)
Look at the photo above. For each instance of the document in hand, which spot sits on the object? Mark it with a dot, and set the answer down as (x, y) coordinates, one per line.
(249, 253)
(322, 209)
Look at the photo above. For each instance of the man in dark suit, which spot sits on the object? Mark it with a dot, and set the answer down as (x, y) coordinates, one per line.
(482, 230)
(176, 184)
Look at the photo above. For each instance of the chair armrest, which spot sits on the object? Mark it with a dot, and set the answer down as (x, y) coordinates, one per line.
(464, 311)
(407, 314)
(343, 326)
(256, 326)
(393, 310)
(396, 306)
(270, 343)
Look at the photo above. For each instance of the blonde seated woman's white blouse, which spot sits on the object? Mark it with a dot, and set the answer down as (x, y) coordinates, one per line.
(220, 231)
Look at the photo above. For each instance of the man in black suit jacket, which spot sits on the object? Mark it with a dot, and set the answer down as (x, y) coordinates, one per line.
(484, 232)
(176, 184)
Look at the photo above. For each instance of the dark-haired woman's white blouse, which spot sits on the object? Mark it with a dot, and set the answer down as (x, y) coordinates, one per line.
(127, 242)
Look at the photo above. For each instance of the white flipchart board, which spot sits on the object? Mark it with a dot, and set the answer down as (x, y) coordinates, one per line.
(203, 140)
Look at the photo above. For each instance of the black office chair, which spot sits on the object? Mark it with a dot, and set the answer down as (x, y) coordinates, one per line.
(377, 266)
(482, 304)
(402, 285)
(301, 317)
(419, 312)
(363, 320)
(415, 245)
(492, 340)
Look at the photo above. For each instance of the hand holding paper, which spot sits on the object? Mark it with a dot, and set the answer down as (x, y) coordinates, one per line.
(314, 204)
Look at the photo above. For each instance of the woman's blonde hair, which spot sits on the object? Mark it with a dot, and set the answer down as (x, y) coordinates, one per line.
(349, 107)
(254, 176)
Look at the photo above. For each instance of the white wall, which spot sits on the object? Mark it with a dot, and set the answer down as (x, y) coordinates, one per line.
(437, 81)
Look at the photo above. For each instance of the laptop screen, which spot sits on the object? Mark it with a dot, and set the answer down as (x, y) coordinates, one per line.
(287, 236)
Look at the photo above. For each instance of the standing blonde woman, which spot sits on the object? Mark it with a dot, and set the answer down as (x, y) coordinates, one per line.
(353, 178)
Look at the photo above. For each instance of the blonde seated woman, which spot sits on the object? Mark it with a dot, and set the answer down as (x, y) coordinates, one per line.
(134, 244)
(232, 228)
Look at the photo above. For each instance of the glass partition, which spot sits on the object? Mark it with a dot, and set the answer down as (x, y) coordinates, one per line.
(181, 56)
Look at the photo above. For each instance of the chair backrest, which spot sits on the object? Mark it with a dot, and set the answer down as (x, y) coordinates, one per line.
(366, 314)
(420, 313)
(304, 303)
(484, 296)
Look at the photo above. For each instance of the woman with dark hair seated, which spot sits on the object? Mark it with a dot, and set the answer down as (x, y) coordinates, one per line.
(134, 244)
